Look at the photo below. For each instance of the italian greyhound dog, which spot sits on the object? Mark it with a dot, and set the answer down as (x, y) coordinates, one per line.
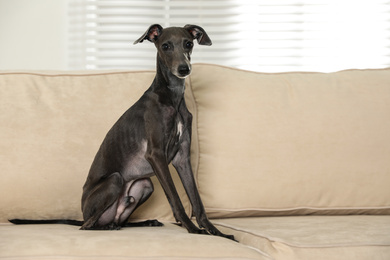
(152, 133)
(155, 131)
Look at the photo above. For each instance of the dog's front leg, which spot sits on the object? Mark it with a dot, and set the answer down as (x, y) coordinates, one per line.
(157, 159)
(182, 164)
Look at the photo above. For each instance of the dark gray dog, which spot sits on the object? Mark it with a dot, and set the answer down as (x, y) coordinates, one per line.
(152, 133)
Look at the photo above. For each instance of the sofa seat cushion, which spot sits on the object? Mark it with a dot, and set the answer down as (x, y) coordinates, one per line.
(314, 237)
(68, 242)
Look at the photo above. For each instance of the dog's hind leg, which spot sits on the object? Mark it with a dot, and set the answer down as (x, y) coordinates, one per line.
(99, 207)
(135, 194)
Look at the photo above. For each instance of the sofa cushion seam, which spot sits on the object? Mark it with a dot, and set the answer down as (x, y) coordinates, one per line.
(275, 240)
(298, 208)
(288, 72)
(74, 74)
(197, 131)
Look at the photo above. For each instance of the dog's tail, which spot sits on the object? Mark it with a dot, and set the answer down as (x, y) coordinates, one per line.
(48, 221)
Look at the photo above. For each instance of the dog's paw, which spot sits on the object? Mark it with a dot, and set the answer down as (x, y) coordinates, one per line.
(231, 237)
(201, 232)
(153, 223)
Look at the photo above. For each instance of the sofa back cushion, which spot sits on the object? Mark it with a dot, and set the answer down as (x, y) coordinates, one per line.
(292, 143)
(52, 125)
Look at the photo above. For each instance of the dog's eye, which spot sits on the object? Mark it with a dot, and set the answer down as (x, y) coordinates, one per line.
(189, 45)
(165, 47)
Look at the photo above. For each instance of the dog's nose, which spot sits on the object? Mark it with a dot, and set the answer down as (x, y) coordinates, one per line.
(183, 70)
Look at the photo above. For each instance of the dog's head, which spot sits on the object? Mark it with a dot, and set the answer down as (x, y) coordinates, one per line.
(174, 45)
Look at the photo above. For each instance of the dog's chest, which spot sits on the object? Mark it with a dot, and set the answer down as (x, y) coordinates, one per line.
(179, 129)
(175, 137)
(137, 166)
(174, 119)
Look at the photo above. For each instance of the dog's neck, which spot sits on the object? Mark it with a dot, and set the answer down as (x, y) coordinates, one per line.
(165, 80)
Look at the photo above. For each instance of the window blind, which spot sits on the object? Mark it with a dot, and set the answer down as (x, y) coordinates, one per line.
(260, 35)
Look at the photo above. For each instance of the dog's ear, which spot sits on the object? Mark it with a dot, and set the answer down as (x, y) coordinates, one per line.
(199, 34)
(151, 34)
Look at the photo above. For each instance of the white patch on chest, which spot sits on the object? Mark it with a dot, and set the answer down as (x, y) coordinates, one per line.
(144, 146)
(180, 129)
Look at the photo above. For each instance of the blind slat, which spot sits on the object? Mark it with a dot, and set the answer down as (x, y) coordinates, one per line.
(278, 35)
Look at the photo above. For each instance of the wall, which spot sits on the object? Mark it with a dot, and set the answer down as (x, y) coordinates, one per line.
(33, 34)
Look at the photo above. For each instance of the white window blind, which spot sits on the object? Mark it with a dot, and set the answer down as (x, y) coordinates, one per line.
(260, 35)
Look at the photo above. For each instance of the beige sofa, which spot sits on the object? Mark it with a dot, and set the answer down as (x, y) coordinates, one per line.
(295, 165)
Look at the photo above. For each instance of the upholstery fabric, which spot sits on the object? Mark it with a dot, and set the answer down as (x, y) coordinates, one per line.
(52, 124)
(292, 143)
(167, 242)
(309, 150)
(314, 237)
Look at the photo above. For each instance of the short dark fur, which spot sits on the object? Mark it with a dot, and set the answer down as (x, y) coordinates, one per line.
(152, 133)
